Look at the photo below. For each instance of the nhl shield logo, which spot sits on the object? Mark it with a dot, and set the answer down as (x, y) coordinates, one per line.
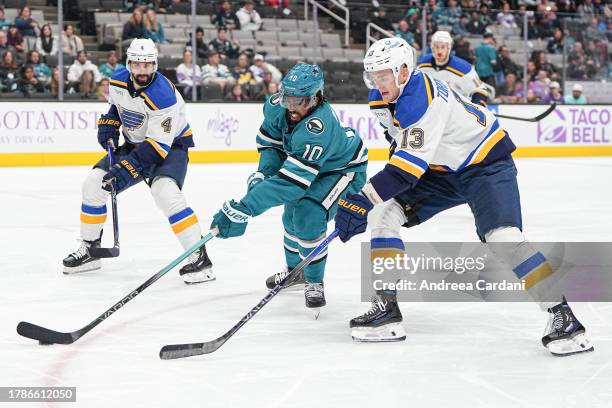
(315, 125)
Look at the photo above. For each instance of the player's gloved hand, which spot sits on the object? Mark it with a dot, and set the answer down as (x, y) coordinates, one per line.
(122, 174)
(231, 220)
(352, 216)
(255, 179)
(108, 129)
(480, 99)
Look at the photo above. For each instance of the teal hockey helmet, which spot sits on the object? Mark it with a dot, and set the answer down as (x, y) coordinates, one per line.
(301, 85)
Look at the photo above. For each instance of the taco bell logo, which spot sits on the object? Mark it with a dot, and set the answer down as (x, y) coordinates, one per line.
(553, 129)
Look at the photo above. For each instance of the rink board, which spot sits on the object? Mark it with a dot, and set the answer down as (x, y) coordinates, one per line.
(52, 133)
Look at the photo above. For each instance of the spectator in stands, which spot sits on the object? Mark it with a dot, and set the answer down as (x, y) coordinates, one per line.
(277, 4)
(486, 60)
(540, 88)
(542, 63)
(261, 87)
(586, 11)
(184, 73)
(111, 65)
(153, 28)
(216, 73)
(403, 32)
(475, 26)
(249, 17)
(448, 15)
(83, 75)
(241, 72)
(555, 44)
(236, 94)
(46, 44)
(4, 23)
(462, 49)
(554, 95)
(461, 26)
(598, 37)
(505, 18)
(267, 91)
(226, 17)
(506, 92)
(25, 23)
(134, 27)
(381, 20)
(505, 63)
(485, 15)
(576, 98)
(71, 43)
(532, 71)
(42, 72)
(8, 72)
(201, 45)
(225, 48)
(55, 82)
(260, 66)
(5, 46)
(548, 24)
(15, 38)
(27, 83)
(102, 90)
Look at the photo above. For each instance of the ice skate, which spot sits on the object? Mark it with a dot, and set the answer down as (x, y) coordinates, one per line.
(382, 323)
(80, 260)
(198, 268)
(314, 295)
(564, 335)
(293, 283)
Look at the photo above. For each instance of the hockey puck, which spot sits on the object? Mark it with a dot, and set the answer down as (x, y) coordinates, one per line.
(44, 343)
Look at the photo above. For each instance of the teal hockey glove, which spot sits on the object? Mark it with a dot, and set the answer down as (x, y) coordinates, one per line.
(231, 220)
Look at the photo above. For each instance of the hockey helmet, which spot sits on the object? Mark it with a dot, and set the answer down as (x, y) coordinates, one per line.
(301, 85)
(388, 53)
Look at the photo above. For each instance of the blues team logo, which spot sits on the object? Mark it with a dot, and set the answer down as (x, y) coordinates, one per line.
(129, 119)
(315, 125)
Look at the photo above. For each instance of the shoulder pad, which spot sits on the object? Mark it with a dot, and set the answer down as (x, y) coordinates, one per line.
(272, 107)
(375, 99)
(160, 94)
(458, 66)
(425, 61)
(120, 78)
(415, 100)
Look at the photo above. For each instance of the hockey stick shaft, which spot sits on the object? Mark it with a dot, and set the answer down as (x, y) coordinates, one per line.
(175, 351)
(44, 335)
(534, 119)
(113, 252)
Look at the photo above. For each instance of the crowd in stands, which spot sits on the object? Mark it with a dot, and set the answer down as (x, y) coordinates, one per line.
(239, 73)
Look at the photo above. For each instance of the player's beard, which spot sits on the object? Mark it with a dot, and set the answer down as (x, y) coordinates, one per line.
(142, 80)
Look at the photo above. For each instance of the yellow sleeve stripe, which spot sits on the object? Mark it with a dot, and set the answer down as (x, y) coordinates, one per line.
(186, 223)
(486, 148)
(377, 103)
(187, 133)
(406, 166)
(120, 83)
(93, 219)
(396, 122)
(454, 71)
(149, 101)
(429, 90)
(425, 65)
(438, 168)
(157, 147)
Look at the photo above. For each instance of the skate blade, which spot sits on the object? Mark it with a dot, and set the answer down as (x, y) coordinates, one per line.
(567, 347)
(194, 278)
(386, 333)
(316, 312)
(89, 266)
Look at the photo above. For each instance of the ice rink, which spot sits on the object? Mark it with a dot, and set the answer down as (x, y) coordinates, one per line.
(456, 355)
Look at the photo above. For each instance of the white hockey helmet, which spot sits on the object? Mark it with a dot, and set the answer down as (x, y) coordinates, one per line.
(389, 53)
(142, 50)
(443, 37)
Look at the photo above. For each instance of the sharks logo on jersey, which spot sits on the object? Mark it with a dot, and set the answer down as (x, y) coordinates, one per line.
(315, 125)
(129, 119)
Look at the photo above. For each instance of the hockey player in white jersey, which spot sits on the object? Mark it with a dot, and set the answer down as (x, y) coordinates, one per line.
(448, 152)
(457, 72)
(151, 115)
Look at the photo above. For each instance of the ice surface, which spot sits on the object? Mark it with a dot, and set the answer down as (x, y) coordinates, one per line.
(460, 355)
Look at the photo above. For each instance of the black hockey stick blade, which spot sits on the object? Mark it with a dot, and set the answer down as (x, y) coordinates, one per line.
(43, 335)
(534, 119)
(112, 252)
(174, 351)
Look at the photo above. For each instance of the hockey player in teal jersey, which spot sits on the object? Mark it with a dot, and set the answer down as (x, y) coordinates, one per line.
(308, 160)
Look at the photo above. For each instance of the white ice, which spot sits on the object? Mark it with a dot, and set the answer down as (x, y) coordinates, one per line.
(459, 355)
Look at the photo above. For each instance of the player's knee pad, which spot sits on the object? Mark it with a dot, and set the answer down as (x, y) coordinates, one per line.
(92, 191)
(505, 242)
(309, 220)
(387, 219)
(167, 195)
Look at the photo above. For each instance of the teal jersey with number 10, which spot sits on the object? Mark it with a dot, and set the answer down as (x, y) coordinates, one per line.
(292, 156)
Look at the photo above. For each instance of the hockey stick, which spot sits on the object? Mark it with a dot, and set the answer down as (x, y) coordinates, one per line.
(534, 119)
(97, 252)
(47, 336)
(174, 351)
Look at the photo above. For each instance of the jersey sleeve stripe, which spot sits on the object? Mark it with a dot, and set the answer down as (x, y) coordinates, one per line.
(484, 143)
(486, 148)
(185, 132)
(268, 138)
(406, 166)
(148, 101)
(378, 104)
(422, 164)
(313, 169)
(119, 84)
(429, 89)
(294, 178)
(160, 148)
(454, 71)
(425, 65)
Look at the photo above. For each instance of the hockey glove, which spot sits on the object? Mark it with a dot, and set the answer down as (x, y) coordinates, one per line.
(231, 220)
(122, 174)
(352, 216)
(108, 129)
(479, 99)
(255, 179)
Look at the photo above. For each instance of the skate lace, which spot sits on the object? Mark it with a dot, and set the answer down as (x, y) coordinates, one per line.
(377, 305)
(314, 290)
(81, 252)
(558, 320)
(278, 278)
(193, 258)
